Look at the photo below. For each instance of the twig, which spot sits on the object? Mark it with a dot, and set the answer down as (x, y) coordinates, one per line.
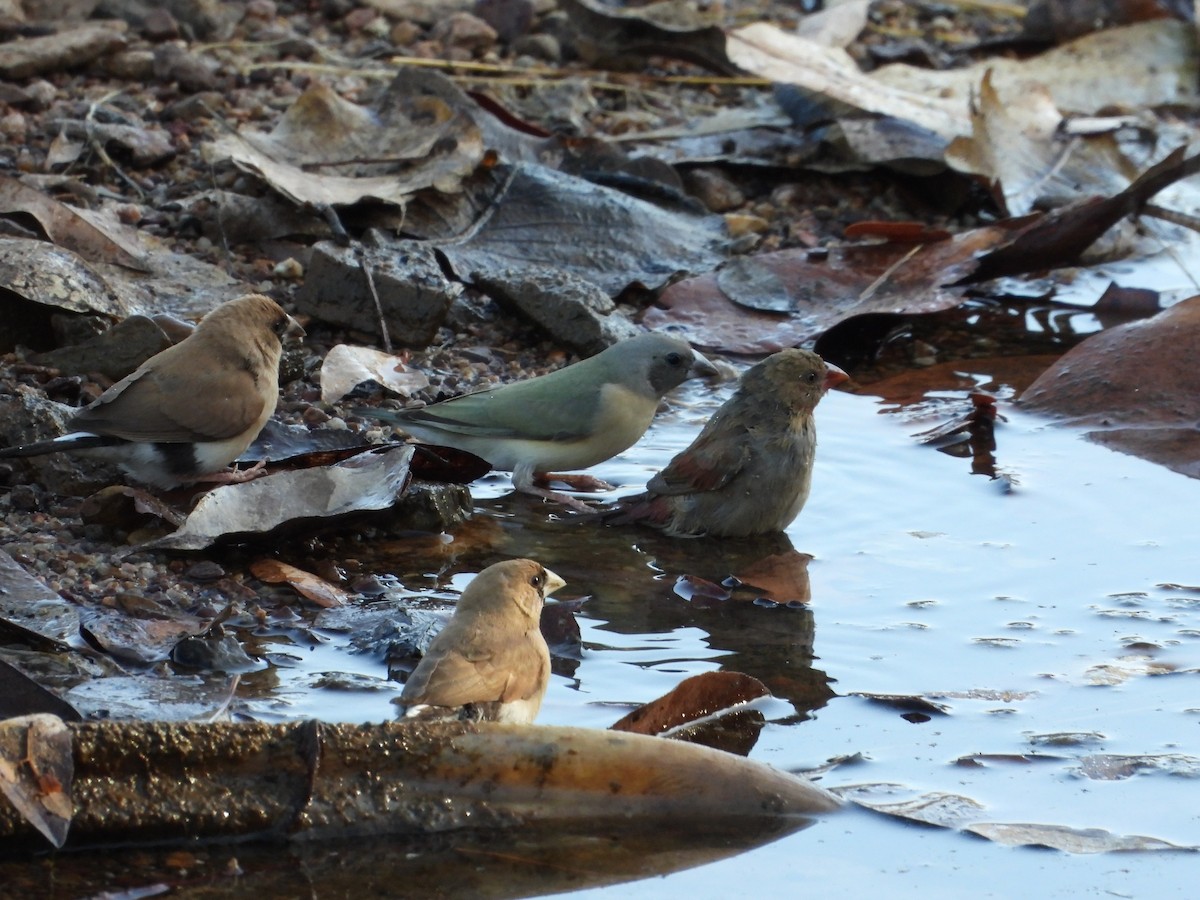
(875, 285)
(98, 148)
(360, 253)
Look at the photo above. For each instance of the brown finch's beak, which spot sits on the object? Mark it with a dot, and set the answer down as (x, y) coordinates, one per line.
(293, 332)
(834, 376)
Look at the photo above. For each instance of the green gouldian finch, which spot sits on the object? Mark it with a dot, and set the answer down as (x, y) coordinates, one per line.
(490, 662)
(568, 419)
(750, 469)
(191, 410)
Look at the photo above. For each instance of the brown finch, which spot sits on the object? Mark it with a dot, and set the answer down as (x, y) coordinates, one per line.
(750, 469)
(490, 662)
(191, 410)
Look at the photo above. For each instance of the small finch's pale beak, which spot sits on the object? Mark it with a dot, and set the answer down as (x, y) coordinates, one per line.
(553, 583)
(702, 368)
(293, 332)
(834, 376)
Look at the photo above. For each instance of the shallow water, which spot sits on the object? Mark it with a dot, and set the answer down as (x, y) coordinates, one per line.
(1047, 611)
(1041, 603)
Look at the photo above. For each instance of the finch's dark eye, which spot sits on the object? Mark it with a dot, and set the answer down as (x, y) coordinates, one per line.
(538, 580)
(811, 377)
(674, 359)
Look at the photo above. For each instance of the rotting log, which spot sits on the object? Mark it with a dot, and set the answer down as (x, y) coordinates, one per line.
(150, 782)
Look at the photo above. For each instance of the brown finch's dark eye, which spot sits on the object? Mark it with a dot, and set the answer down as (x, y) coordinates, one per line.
(537, 581)
(811, 377)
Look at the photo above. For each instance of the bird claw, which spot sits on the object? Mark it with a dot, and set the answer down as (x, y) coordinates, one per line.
(575, 482)
(236, 475)
(566, 500)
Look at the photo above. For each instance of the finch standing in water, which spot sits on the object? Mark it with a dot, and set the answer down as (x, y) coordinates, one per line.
(750, 469)
(490, 662)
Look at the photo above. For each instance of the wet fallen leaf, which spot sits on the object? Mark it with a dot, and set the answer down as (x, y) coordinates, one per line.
(367, 481)
(138, 640)
(694, 588)
(712, 694)
(1149, 409)
(905, 702)
(345, 367)
(318, 590)
(36, 770)
(1069, 840)
(811, 292)
(1114, 767)
(155, 697)
(539, 218)
(935, 808)
(20, 695)
(780, 577)
(32, 613)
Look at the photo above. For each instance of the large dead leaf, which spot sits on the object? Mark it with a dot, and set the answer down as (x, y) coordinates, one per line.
(32, 613)
(962, 813)
(1019, 147)
(313, 587)
(775, 300)
(540, 218)
(367, 481)
(93, 235)
(1067, 839)
(1135, 387)
(701, 696)
(1132, 67)
(326, 151)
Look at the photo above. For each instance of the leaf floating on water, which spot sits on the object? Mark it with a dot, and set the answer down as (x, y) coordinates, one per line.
(154, 697)
(781, 577)
(36, 769)
(983, 759)
(936, 808)
(314, 588)
(1067, 739)
(906, 702)
(1114, 767)
(692, 587)
(1069, 840)
(698, 697)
